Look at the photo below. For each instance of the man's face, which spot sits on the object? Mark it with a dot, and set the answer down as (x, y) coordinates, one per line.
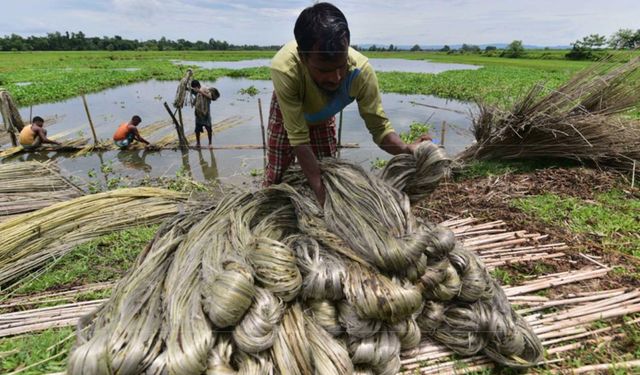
(326, 73)
(39, 123)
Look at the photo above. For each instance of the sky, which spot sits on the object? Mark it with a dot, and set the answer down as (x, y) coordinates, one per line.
(382, 22)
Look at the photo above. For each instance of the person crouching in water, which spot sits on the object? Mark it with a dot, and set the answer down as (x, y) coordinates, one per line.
(34, 135)
(202, 103)
(127, 132)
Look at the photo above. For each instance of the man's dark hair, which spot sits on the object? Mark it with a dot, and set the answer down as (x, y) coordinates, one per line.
(195, 84)
(325, 25)
(37, 119)
(136, 118)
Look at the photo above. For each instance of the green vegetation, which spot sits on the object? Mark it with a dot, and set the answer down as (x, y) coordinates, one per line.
(60, 75)
(378, 163)
(415, 131)
(25, 350)
(106, 258)
(251, 91)
(614, 217)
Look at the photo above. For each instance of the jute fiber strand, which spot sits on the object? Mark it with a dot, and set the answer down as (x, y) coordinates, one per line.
(181, 99)
(270, 283)
(33, 239)
(10, 113)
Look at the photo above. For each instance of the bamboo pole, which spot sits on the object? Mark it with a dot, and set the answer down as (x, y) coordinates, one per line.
(93, 130)
(264, 142)
(182, 140)
(442, 132)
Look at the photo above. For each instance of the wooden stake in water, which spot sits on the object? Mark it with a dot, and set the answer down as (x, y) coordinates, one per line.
(442, 132)
(93, 130)
(264, 142)
(30, 113)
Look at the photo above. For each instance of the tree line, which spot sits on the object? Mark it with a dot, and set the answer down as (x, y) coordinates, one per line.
(66, 41)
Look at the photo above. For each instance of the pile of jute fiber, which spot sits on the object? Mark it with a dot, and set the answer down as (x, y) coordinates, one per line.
(271, 283)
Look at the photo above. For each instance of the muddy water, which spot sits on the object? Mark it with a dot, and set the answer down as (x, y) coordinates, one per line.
(381, 65)
(111, 107)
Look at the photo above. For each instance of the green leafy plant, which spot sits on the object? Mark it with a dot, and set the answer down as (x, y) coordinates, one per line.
(416, 129)
(378, 163)
(251, 91)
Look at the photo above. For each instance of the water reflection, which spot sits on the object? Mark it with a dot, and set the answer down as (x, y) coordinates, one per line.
(209, 169)
(236, 112)
(134, 160)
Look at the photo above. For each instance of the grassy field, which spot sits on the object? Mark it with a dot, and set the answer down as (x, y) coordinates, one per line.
(58, 75)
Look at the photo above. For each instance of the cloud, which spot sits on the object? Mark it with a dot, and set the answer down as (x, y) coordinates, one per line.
(542, 22)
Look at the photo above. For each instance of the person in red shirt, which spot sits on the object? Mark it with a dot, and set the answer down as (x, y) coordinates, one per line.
(127, 132)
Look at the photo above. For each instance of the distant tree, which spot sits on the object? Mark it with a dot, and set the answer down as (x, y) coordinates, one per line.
(583, 49)
(78, 41)
(625, 39)
(470, 48)
(392, 48)
(515, 49)
(446, 48)
(415, 48)
(490, 48)
(373, 48)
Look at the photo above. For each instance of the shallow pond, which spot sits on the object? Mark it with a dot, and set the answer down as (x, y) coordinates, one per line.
(111, 107)
(381, 65)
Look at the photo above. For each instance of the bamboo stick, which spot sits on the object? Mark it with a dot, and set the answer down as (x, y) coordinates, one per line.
(264, 142)
(93, 130)
(605, 366)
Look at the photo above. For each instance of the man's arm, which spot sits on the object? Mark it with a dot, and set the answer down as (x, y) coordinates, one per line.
(311, 169)
(394, 145)
(43, 137)
(206, 93)
(137, 136)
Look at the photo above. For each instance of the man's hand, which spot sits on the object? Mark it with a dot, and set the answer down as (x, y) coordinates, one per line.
(423, 138)
(311, 169)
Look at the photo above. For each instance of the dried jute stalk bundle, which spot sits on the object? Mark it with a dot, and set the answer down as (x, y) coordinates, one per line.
(271, 283)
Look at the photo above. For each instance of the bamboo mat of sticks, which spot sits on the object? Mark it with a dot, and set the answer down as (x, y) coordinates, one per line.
(568, 327)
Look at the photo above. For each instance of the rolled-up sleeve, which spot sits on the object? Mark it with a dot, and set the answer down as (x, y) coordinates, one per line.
(287, 92)
(370, 104)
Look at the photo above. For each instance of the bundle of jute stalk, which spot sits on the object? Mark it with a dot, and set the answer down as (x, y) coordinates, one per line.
(582, 120)
(33, 239)
(271, 283)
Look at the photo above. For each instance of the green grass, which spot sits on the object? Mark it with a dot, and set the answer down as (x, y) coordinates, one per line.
(31, 348)
(106, 258)
(60, 75)
(614, 217)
